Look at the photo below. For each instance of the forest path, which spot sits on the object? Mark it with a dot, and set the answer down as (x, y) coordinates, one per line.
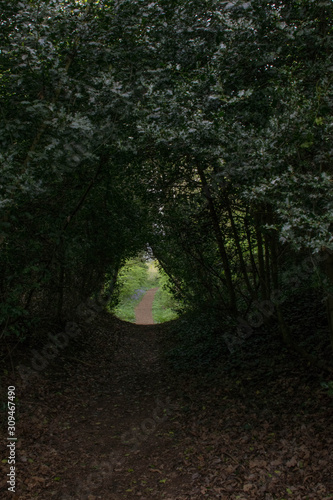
(110, 420)
(97, 425)
(143, 311)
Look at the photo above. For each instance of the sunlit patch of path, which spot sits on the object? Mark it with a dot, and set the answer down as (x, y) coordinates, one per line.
(143, 311)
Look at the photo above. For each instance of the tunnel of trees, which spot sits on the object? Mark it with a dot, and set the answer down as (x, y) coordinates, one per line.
(201, 129)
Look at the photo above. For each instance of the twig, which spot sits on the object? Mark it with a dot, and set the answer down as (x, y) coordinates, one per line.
(232, 458)
(83, 362)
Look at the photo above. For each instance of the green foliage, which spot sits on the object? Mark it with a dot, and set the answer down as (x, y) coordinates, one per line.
(132, 284)
(62, 221)
(133, 275)
(204, 129)
(165, 306)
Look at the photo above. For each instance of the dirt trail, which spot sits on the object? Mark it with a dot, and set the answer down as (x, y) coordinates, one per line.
(98, 426)
(108, 420)
(143, 311)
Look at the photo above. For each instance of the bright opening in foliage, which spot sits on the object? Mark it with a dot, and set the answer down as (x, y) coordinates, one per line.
(136, 277)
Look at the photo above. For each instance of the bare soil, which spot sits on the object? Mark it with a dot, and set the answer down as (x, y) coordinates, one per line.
(143, 311)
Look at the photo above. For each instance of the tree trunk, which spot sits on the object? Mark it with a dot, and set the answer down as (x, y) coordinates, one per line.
(242, 264)
(328, 263)
(261, 261)
(220, 243)
(61, 280)
(255, 273)
(112, 283)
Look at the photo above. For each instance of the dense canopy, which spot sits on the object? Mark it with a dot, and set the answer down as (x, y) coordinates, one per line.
(202, 129)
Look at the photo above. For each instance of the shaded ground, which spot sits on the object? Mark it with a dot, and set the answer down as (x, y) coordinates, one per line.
(143, 311)
(110, 421)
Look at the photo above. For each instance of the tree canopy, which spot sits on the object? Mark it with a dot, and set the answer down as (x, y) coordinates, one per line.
(203, 129)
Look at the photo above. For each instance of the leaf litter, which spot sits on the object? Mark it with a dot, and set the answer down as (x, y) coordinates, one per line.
(111, 420)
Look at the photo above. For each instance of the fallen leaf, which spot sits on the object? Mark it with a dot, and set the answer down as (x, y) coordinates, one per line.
(292, 462)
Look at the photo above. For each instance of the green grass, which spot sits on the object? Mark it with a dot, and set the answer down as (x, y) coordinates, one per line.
(126, 309)
(164, 306)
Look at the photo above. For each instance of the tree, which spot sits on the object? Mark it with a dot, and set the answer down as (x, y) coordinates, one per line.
(200, 128)
(63, 192)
